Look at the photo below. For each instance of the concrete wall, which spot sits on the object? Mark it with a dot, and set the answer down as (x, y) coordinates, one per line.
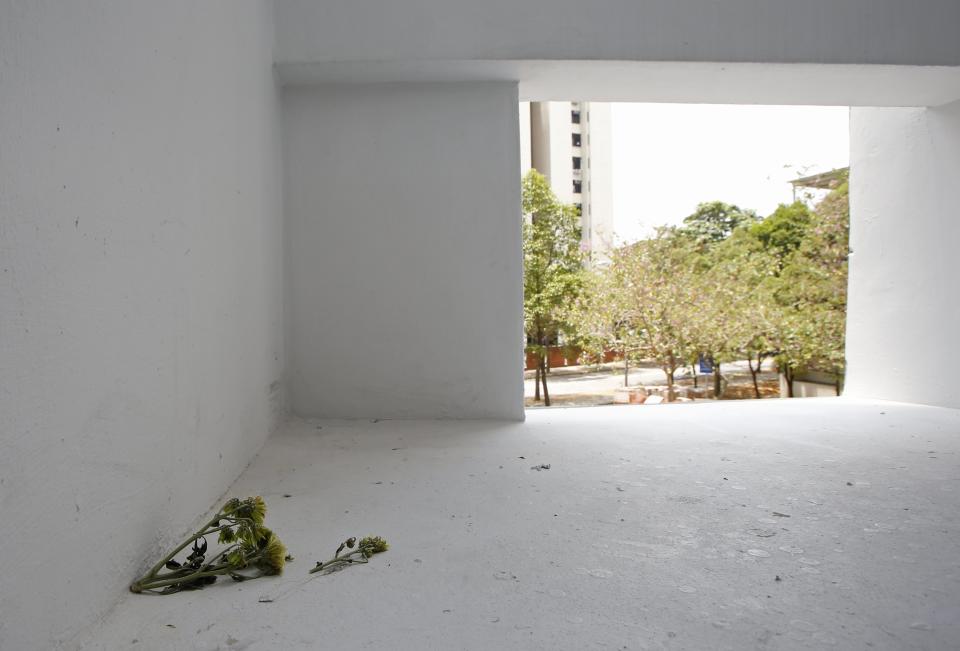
(922, 32)
(561, 150)
(540, 129)
(904, 309)
(525, 153)
(140, 289)
(404, 266)
(599, 175)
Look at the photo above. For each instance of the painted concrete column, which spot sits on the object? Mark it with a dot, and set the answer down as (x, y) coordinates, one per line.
(904, 309)
(404, 263)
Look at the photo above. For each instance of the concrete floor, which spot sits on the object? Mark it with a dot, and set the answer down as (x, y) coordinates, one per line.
(660, 528)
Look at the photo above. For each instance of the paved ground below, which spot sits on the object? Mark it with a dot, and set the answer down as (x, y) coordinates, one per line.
(767, 524)
(586, 386)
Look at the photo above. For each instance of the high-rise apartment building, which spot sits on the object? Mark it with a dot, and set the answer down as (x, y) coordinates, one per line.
(570, 143)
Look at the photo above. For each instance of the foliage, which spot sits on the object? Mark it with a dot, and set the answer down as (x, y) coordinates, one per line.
(812, 291)
(735, 317)
(714, 221)
(553, 266)
(600, 316)
(250, 546)
(642, 300)
(784, 230)
(728, 287)
(553, 260)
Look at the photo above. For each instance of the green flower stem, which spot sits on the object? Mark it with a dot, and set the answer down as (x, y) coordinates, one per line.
(345, 559)
(205, 531)
(163, 580)
(153, 585)
(151, 578)
(163, 561)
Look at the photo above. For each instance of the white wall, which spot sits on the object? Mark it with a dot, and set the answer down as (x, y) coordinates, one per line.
(601, 177)
(525, 150)
(561, 152)
(922, 32)
(404, 266)
(140, 289)
(540, 130)
(904, 306)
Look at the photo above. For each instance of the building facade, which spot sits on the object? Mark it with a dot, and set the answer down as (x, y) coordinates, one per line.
(570, 143)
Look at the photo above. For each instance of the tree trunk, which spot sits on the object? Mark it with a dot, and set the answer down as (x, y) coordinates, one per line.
(788, 376)
(626, 368)
(673, 367)
(693, 369)
(539, 374)
(754, 372)
(542, 362)
(536, 382)
(717, 379)
(543, 376)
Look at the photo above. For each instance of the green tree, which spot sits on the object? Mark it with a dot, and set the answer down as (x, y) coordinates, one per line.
(599, 315)
(715, 221)
(651, 289)
(784, 230)
(553, 269)
(812, 292)
(732, 319)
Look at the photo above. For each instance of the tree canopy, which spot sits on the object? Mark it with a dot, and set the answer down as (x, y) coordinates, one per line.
(784, 230)
(714, 221)
(553, 267)
(727, 285)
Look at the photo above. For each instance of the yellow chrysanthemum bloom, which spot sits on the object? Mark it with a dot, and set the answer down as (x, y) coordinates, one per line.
(253, 508)
(237, 559)
(274, 556)
(232, 504)
(373, 545)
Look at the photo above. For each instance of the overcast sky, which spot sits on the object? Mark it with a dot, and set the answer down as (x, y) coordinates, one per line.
(667, 158)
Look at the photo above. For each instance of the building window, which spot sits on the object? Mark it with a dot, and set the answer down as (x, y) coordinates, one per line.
(579, 207)
(576, 162)
(575, 116)
(577, 187)
(576, 139)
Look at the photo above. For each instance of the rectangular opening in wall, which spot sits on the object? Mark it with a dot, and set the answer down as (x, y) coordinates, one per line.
(702, 255)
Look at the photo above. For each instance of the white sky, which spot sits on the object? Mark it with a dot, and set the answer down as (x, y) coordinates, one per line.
(667, 158)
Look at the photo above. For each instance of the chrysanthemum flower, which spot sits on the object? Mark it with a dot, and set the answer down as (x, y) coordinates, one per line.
(373, 545)
(274, 556)
(253, 508)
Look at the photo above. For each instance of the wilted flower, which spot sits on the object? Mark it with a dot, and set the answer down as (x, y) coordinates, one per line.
(249, 544)
(373, 545)
(237, 559)
(232, 504)
(274, 556)
(365, 548)
(253, 508)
